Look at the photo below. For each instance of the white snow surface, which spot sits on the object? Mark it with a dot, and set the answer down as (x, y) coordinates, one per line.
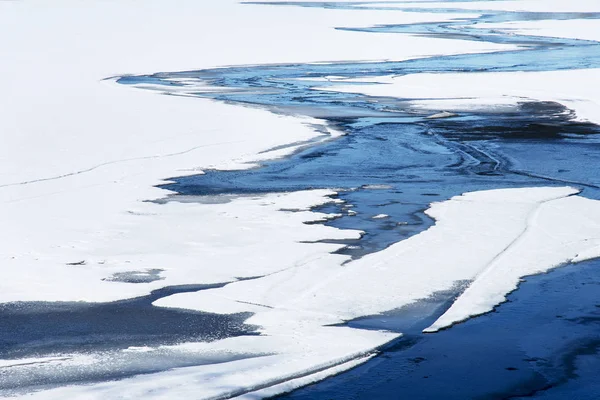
(80, 156)
(29, 361)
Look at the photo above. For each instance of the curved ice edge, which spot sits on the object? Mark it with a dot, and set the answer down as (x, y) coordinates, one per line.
(519, 259)
(302, 378)
(441, 325)
(292, 384)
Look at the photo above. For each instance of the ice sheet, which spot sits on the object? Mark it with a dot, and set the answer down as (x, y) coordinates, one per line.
(80, 156)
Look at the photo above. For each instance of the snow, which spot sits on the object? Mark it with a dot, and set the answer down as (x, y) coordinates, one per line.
(328, 353)
(80, 156)
(138, 349)
(380, 216)
(443, 114)
(186, 240)
(554, 234)
(292, 384)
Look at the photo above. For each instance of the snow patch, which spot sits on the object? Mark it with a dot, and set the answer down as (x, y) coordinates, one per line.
(380, 216)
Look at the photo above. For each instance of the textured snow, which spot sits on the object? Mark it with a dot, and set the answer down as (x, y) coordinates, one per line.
(30, 361)
(187, 241)
(556, 232)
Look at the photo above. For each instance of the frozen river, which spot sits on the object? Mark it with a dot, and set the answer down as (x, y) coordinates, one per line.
(386, 158)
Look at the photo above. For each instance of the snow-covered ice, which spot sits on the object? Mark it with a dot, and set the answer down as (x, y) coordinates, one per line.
(80, 156)
(483, 237)
(473, 234)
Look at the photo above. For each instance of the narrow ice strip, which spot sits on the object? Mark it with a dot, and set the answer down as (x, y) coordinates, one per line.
(578, 90)
(554, 234)
(380, 216)
(290, 385)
